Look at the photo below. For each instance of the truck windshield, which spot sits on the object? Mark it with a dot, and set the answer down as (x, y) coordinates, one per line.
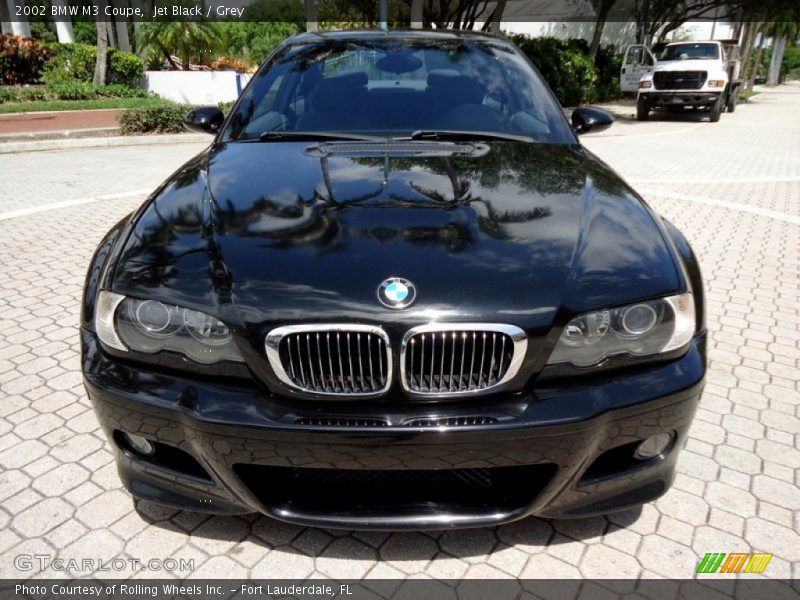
(690, 52)
(396, 86)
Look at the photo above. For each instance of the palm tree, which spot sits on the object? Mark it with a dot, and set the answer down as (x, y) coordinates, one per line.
(184, 39)
(99, 77)
(780, 32)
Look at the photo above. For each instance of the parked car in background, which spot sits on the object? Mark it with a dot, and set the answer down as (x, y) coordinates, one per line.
(695, 75)
(395, 292)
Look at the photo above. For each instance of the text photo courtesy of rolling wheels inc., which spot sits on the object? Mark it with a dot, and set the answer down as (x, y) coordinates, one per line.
(400, 299)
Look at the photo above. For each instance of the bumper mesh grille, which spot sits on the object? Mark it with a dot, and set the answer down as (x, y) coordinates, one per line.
(679, 80)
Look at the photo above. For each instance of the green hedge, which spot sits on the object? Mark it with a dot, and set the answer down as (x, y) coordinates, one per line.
(68, 90)
(567, 68)
(75, 62)
(158, 119)
(153, 119)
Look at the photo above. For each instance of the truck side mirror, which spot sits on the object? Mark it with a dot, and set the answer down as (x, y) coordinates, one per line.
(587, 118)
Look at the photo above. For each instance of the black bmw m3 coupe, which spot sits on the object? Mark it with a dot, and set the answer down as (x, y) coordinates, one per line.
(395, 292)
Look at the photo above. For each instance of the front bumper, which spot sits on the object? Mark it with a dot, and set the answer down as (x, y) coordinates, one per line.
(657, 98)
(565, 451)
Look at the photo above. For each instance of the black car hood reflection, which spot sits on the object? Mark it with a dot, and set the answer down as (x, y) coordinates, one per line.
(277, 232)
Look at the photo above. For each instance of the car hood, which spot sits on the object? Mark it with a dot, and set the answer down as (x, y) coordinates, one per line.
(688, 65)
(289, 232)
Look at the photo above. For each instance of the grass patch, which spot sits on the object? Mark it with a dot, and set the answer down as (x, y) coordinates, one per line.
(745, 95)
(43, 105)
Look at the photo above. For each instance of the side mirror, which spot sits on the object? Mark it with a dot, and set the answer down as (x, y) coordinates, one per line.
(205, 119)
(586, 119)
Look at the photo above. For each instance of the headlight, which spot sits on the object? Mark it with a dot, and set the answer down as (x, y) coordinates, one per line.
(151, 326)
(716, 83)
(641, 329)
(645, 84)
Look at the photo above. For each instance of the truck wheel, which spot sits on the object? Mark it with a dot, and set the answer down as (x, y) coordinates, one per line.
(732, 101)
(642, 110)
(716, 110)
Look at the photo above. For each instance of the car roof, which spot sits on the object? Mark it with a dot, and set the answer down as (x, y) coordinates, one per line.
(410, 34)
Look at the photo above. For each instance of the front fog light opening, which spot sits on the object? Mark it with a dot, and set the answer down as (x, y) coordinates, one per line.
(139, 444)
(653, 446)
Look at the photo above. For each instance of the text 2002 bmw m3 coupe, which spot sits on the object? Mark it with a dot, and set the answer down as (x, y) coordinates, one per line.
(395, 292)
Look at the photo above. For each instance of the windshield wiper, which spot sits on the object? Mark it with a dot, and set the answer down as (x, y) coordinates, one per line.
(446, 134)
(316, 136)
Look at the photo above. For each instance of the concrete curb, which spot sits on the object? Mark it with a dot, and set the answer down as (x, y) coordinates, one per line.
(102, 142)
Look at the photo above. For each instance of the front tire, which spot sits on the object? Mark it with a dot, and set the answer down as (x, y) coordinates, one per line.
(733, 99)
(716, 110)
(642, 110)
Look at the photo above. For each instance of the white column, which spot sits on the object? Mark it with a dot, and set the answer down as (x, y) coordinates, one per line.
(64, 26)
(21, 27)
(5, 19)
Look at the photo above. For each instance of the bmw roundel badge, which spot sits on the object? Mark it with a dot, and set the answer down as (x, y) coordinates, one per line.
(397, 292)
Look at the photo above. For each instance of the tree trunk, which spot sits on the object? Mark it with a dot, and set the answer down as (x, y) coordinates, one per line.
(497, 16)
(416, 14)
(602, 15)
(778, 48)
(311, 15)
(102, 49)
(759, 55)
(747, 50)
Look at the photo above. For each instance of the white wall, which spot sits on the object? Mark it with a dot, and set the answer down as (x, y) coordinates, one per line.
(618, 34)
(196, 87)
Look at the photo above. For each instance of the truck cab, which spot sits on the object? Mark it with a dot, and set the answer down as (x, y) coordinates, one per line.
(694, 75)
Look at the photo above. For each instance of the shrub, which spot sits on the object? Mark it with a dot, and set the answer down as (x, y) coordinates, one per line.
(70, 62)
(124, 68)
(153, 119)
(565, 65)
(8, 95)
(75, 62)
(21, 60)
(225, 63)
(608, 64)
(116, 90)
(69, 90)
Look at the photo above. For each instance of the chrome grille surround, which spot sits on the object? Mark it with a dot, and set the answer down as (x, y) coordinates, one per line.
(506, 346)
(332, 359)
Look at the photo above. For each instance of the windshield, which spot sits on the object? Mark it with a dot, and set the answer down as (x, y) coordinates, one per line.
(690, 52)
(394, 87)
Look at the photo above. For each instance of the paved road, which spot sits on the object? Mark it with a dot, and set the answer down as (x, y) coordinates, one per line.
(734, 189)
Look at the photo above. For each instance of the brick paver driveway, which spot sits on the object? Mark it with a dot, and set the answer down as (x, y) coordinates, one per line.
(732, 187)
